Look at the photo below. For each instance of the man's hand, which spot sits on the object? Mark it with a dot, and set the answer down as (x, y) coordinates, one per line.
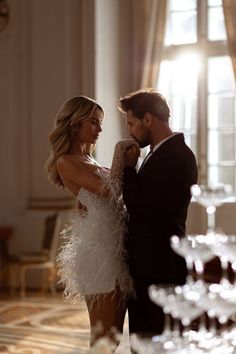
(131, 155)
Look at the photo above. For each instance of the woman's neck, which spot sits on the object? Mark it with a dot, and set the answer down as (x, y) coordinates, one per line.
(79, 149)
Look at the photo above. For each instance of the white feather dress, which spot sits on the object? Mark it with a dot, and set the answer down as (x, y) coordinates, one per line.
(92, 258)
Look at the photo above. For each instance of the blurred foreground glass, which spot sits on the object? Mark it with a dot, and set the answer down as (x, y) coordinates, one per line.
(195, 251)
(212, 197)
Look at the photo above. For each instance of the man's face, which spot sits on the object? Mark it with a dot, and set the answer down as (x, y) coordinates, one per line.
(137, 129)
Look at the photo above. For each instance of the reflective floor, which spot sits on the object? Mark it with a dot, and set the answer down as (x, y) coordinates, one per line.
(44, 325)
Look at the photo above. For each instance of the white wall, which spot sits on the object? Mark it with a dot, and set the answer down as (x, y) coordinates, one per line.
(107, 78)
(47, 55)
(43, 61)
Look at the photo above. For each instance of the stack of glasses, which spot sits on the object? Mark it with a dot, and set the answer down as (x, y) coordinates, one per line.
(210, 305)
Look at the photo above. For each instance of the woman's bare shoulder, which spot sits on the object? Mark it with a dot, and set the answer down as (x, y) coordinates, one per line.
(68, 160)
(70, 165)
(80, 174)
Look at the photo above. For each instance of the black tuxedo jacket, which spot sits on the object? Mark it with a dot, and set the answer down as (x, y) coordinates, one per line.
(157, 199)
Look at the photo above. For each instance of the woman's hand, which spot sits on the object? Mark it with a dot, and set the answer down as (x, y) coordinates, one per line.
(131, 155)
(131, 151)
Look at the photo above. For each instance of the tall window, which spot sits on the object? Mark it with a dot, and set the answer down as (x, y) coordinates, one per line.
(197, 77)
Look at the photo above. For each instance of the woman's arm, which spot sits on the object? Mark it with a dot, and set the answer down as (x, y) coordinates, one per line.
(77, 174)
(74, 172)
(119, 160)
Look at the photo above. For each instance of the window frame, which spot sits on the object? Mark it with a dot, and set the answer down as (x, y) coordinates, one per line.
(206, 48)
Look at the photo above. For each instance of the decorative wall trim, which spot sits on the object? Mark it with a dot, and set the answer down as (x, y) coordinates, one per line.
(51, 203)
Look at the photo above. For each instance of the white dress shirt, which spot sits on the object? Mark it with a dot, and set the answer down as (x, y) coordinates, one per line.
(154, 149)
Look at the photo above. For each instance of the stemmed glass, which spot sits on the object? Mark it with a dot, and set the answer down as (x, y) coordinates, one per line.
(172, 298)
(217, 243)
(178, 305)
(183, 307)
(214, 301)
(159, 296)
(230, 250)
(144, 346)
(195, 251)
(212, 197)
(164, 342)
(227, 250)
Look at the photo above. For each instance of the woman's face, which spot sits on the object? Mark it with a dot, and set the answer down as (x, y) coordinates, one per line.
(89, 130)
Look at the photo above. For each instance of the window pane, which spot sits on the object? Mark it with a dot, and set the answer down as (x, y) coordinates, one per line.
(216, 24)
(164, 79)
(221, 175)
(184, 111)
(220, 75)
(180, 76)
(182, 28)
(221, 121)
(213, 175)
(184, 74)
(178, 81)
(221, 111)
(214, 2)
(183, 5)
(221, 147)
(191, 141)
(227, 175)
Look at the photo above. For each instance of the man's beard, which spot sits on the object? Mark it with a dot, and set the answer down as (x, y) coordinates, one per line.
(142, 144)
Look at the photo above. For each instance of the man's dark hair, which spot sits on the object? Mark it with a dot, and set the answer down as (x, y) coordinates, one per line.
(145, 101)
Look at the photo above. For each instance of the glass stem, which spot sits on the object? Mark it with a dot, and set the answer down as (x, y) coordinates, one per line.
(186, 330)
(189, 264)
(211, 218)
(212, 325)
(176, 328)
(167, 325)
(203, 323)
(199, 269)
(224, 267)
(233, 267)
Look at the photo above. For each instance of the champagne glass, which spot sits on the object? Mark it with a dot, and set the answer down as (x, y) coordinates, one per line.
(230, 250)
(181, 309)
(217, 242)
(159, 295)
(215, 304)
(195, 251)
(146, 346)
(178, 305)
(212, 197)
(180, 246)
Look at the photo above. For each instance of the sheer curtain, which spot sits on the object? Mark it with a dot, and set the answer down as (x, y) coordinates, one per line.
(139, 20)
(155, 34)
(229, 7)
(142, 30)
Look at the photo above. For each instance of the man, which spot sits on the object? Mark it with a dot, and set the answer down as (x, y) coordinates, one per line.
(157, 198)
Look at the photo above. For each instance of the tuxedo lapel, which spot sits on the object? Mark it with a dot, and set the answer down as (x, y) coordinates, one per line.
(147, 157)
(172, 144)
(145, 167)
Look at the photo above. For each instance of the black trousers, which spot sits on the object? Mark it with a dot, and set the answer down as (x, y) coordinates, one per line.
(145, 317)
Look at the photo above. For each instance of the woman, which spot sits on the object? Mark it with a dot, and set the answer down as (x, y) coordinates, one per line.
(91, 261)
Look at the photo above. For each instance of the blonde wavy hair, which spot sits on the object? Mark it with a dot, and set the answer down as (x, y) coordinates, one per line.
(71, 114)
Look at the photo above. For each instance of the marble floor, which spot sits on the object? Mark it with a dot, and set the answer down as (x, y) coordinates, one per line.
(46, 325)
